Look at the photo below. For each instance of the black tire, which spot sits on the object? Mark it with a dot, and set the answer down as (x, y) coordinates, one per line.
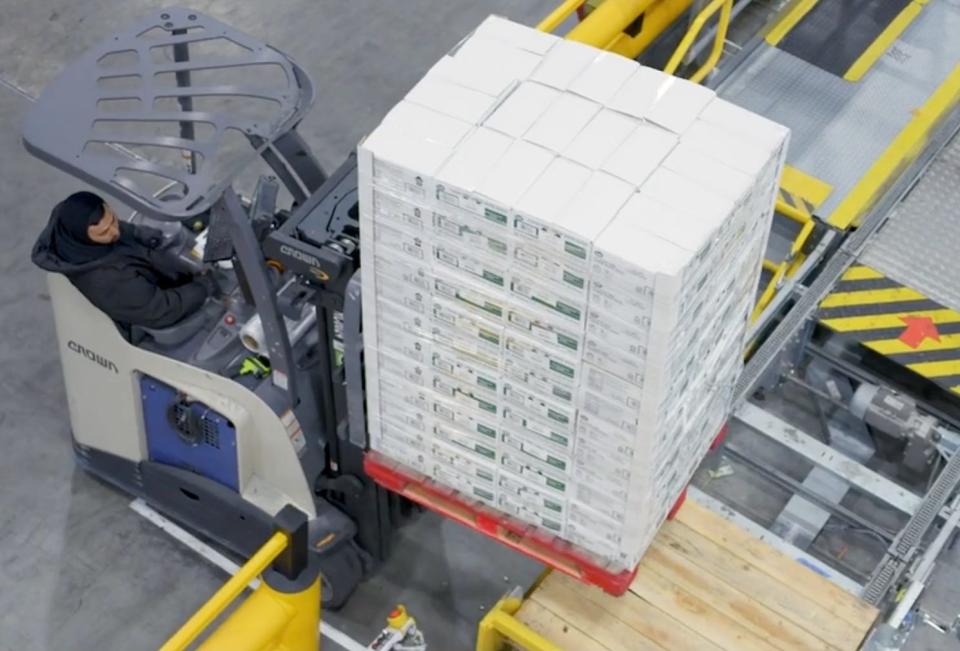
(341, 571)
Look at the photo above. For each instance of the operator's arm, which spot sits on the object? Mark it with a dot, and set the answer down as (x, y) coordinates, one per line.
(139, 301)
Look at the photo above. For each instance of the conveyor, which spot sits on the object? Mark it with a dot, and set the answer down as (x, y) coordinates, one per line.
(844, 128)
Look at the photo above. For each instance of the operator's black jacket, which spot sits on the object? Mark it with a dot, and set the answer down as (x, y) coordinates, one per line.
(134, 284)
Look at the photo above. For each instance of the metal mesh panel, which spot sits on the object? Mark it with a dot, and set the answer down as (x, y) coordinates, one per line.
(166, 113)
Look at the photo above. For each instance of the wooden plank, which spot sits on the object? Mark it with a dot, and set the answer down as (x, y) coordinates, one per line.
(553, 628)
(596, 623)
(753, 613)
(765, 589)
(757, 553)
(695, 613)
(634, 617)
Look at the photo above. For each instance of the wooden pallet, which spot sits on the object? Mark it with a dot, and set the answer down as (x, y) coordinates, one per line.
(704, 584)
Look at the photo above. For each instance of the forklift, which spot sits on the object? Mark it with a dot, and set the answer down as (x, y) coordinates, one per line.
(243, 407)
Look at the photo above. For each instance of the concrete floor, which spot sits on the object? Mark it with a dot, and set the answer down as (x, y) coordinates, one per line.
(78, 569)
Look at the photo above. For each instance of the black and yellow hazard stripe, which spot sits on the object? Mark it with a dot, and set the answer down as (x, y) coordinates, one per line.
(883, 314)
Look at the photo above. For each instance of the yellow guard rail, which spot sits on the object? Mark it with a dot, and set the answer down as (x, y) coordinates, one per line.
(282, 613)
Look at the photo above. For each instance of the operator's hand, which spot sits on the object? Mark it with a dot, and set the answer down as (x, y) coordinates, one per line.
(148, 236)
(209, 281)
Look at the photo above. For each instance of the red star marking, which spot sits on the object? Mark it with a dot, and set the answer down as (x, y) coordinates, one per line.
(918, 329)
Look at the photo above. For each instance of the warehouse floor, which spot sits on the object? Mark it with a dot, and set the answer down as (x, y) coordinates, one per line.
(79, 569)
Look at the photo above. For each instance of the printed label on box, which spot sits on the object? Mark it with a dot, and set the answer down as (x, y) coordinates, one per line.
(455, 414)
(539, 452)
(559, 416)
(486, 271)
(534, 261)
(540, 293)
(520, 422)
(534, 471)
(471, 444)
(465, 230)
(539, 381)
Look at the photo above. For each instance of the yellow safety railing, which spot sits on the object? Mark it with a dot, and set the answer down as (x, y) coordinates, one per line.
(560, 14)
(778, 273)
(786, 268)
(270, 619)
(724, 7)
(604, 27)
(499, 626)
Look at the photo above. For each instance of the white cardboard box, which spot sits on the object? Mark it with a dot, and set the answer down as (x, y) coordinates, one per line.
(560, 250)
(601, 80)
(600, 138)
(521, 108)
(640, 154)
(563, 63)
(678, 104)
(556, 127)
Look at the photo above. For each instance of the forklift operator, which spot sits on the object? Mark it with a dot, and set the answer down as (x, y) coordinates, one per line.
(116, 265)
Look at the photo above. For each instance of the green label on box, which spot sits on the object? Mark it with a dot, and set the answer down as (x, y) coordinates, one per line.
(557, 416)
(556, 463)
(497, 246)
(559, 438)
(556, 485)
(549, 524)
(553, 506)
(569, 342)
(493, 278)
(486, 431)
(573, 279)
(563, 394)
(483, 474)
(575, 249)
(567, 310)
(487, 495)
(489, 336)
(493, 309)
(487, 384)
(486, 406)
(562, 369)
(487, 452)
(494, 216)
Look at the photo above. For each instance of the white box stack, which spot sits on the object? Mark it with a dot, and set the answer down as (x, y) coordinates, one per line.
(560, 251)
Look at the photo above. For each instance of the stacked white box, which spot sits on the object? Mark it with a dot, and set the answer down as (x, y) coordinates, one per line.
(560, 250)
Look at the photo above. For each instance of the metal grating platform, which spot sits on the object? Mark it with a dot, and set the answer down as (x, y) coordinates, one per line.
(919, 244)
(839, 128)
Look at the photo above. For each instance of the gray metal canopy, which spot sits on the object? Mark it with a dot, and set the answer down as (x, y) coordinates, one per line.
(165, 114)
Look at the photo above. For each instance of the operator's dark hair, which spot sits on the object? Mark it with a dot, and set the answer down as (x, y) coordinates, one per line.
(80, 210)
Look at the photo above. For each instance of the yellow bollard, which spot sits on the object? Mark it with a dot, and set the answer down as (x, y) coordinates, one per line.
(282, 614)
(271, 619)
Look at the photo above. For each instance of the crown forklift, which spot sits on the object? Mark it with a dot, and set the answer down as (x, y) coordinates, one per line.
(241, 408)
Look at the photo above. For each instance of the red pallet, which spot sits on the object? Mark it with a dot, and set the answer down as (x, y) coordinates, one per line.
(721, 437)
(524, 538)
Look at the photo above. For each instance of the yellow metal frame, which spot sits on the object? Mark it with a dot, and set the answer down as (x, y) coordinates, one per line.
(899, 154)
(722, 6)
(560, 14)
(892, 32)
(499, 626)
(603, 28)
(790, 19)
(267, 620)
